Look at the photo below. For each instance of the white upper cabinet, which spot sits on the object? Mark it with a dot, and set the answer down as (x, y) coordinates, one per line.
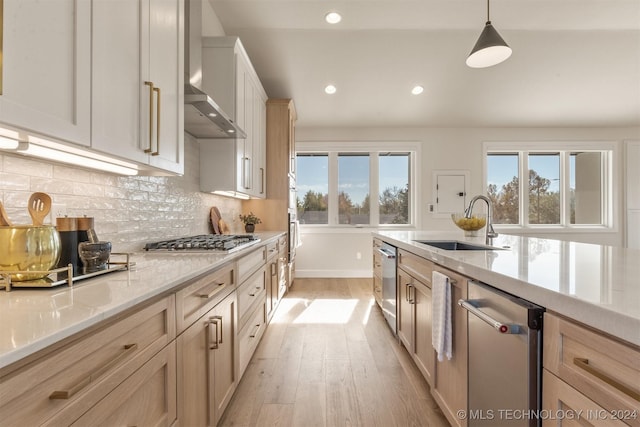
(234, 166)
(137, 82)
(46, 68)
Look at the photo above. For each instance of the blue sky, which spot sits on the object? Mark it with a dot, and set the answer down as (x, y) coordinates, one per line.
(502, 169)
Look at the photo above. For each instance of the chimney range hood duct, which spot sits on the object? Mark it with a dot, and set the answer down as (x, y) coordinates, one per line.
(203, 118)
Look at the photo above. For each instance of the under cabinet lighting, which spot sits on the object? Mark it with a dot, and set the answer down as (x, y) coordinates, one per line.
(54, 151)
(233, 194)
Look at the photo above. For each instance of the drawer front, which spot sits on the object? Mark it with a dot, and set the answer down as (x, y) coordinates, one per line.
(193, 301)
(560, 398)
(603, 369)
(418, 267)
(72, 379)
(146, 398)
(250, 293)
(272, 250)
(250, 336)
(250, 263)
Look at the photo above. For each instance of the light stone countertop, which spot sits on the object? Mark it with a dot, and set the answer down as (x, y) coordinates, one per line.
(33, 319)
(595, 285)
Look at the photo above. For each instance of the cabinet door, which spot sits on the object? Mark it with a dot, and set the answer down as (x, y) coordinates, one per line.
(405, 310)
(166, 68)
(146, 398)
(207, 376)
(46, 61)
(117, 62)
(423, 354)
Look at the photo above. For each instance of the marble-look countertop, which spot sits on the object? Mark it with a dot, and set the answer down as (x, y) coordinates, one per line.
(33, 319)
(592, 284)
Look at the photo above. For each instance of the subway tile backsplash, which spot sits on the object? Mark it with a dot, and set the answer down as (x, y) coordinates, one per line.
(128, 211)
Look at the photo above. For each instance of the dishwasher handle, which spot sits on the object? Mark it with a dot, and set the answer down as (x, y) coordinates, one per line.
(503, 328)
(387, 254)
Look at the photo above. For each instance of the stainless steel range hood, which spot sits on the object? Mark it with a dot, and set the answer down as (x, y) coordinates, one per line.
(203, 118)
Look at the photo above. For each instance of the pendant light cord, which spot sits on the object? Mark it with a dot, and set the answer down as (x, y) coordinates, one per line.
(488, 18)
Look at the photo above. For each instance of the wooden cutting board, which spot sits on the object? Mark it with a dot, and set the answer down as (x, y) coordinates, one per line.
(215, 220)
(224, 228)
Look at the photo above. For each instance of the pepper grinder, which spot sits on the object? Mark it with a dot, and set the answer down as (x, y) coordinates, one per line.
(68, 230)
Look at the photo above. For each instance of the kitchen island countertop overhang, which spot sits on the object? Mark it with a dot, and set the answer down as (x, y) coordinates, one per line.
(596, 285)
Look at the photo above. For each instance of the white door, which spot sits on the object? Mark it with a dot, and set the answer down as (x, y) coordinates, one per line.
(450, 193)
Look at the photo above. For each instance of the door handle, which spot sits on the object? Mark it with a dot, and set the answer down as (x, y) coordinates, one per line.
(584, 364)
(150, 148)
(386, 253)
(215, 324)
(157, 91)
(503, 328)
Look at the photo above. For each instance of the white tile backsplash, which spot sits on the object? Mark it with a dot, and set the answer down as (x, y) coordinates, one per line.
(128, 211)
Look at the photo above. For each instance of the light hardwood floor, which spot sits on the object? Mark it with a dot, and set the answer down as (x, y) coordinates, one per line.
(328, 359)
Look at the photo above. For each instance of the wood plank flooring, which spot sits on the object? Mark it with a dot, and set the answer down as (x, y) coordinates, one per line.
(329, 359)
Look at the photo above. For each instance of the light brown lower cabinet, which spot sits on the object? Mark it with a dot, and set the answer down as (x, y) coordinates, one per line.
(130, 356)
(448, 378)
(586, 370)
(146, 398)
(207, 365)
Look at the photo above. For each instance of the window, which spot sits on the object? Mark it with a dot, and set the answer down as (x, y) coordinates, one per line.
(334, 187)
(532, 186)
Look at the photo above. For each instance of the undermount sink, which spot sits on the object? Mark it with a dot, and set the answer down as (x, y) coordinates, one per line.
(454, 245)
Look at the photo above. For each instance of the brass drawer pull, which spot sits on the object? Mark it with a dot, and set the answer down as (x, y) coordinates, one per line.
(68, 394)
(584, 364)
(213, 324)
(150, 149)
(155, 153)
(255, 333)
(212, 292)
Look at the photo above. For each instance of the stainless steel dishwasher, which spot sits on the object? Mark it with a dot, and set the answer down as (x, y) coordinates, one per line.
(505, 349)
(389, 302)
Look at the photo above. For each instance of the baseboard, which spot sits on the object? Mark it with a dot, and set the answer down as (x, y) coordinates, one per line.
(301, 274)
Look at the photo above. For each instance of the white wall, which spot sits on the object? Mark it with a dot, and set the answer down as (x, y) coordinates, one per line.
(347, 253)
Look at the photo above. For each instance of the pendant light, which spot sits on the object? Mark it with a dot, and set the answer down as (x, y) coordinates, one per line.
(490, 49)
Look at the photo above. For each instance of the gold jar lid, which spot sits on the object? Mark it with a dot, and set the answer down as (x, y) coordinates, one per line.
(67, 224)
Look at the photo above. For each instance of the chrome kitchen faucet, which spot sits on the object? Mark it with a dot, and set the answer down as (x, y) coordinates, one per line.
(490, 233)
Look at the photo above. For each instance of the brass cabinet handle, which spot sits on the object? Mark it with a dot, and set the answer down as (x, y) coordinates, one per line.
(68, 394)
(212, 292)
(149, 149)
(274, 269)
(215, 323)
(246, 173)
(584, 364)
(261, 180)
(255, 333)
(258, 288)
(155, 153)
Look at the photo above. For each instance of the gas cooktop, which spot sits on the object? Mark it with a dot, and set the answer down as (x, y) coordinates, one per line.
(206, 242)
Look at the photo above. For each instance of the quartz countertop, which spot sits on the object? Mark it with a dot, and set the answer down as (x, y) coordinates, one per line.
(33, 319)
(596, 285)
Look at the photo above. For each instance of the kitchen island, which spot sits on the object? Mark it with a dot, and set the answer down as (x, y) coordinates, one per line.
(598, 286)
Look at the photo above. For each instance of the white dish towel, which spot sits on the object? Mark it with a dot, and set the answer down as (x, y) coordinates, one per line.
(441, 324)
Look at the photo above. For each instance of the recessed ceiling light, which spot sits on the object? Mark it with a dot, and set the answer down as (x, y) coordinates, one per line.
(417, 90)
(212, 115)
(333, 17)
(330, 89)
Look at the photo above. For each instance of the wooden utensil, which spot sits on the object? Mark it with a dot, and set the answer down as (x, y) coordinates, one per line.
(4, 218)
(39, 207)
(215, 220)
(224, 228)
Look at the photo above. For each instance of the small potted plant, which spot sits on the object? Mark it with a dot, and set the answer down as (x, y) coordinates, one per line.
(250, 222)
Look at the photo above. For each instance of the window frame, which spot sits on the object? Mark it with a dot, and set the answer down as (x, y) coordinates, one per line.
(373, 149)
(610, 193)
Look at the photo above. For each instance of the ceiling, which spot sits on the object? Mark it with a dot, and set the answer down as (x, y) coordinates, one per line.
(574, 62)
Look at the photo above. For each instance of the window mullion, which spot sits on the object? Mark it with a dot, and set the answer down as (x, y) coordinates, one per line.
(374, 190)
(524, 188)
(333, 189)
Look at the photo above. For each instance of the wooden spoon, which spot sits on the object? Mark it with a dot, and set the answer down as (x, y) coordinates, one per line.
(39, 207)
(4, 218)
